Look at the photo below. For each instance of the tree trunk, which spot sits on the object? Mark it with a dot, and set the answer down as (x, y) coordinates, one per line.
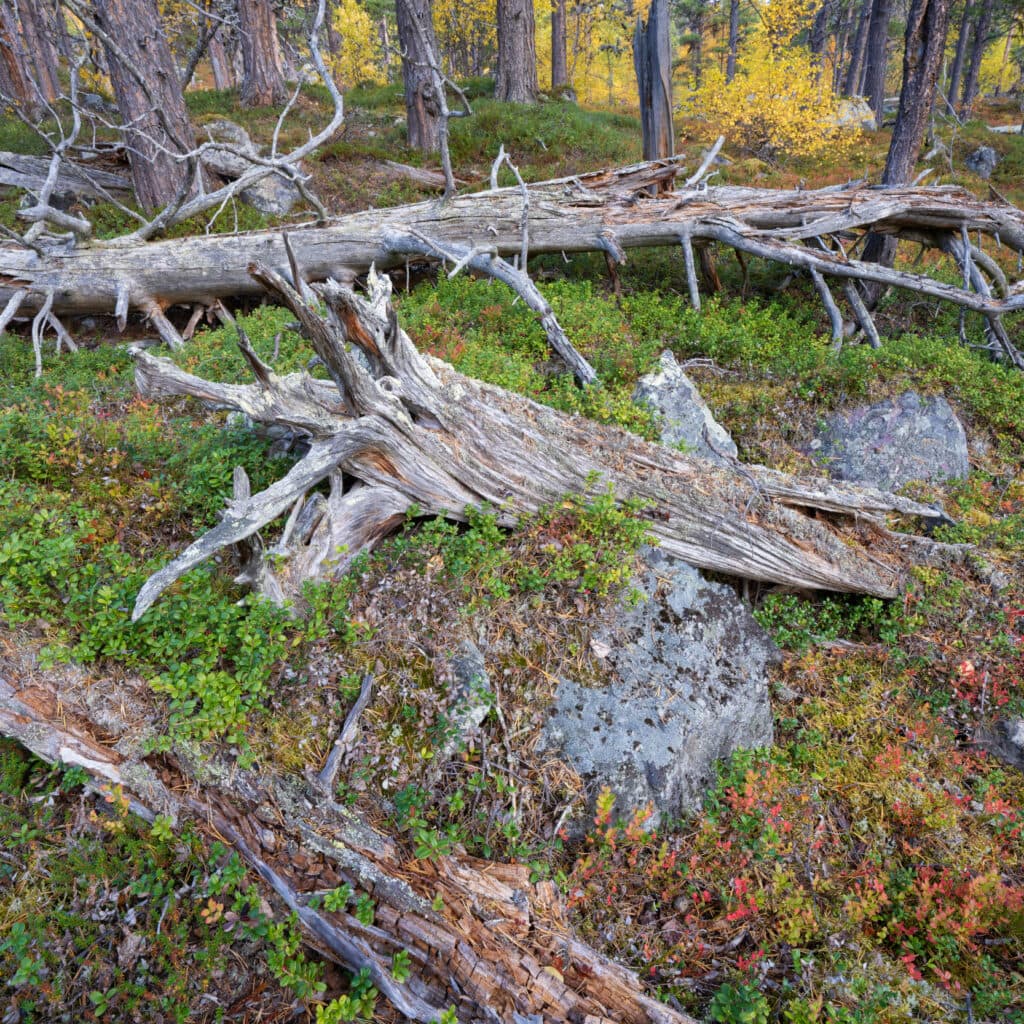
(223, 76)
(559, 64)
(16, 87)
(956, 73)
(855, 72)
(924, 47)
(516, 78)
(385, 47)
(819, 28)
(734, 39)
(652, 59)
(38, 34)
(419, 52)
(877, 58)
(152, 104)
(980, 41)
(262, 80)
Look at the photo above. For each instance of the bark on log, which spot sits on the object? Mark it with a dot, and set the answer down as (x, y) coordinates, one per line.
(30, 172)
(490, 951)
(590, 213)
(415, 431)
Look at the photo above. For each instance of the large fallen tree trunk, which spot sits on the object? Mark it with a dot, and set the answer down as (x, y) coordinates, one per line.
(608, 211)
(408, 431)
(499, 949)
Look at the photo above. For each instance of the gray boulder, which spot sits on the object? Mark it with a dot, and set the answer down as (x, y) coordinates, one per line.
(888, 444)
(686, 417)
(983, 161)
(273, 194)
(690, 685)
(1003, 739)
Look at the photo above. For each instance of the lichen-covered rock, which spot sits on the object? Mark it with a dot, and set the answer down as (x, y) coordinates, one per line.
(273, 194)
(891, 443)
(685, 416)
(982, 161)
(689, 666)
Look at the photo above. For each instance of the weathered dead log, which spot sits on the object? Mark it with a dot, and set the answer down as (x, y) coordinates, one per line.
(413, 431)
(498, 949)
(30, 172)
(601, 212)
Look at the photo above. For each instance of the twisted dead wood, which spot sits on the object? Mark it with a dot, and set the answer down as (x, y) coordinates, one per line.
(607, 211)
(402, 430)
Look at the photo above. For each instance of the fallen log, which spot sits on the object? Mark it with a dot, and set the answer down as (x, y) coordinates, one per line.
(30, 172)
(481, 937)
(606, 211)
(411, 431)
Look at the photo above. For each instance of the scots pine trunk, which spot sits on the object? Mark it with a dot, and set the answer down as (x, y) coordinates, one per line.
(559, 63)
(262, 80)
(16, 87)
(38, 34)
(652, 59)
(223, 76)
(419, 51)
(516, 79)
(957, 71)
(734, 39)
(877, 58)
(980, 41)
(855, 72)
(924, 47)
(149, 98)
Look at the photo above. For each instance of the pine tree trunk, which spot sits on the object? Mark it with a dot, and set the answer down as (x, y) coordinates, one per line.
(419, 50)
(516, 79)
(956, 74)
(559, 64)
(16, 88)
(38, 36)
(734, 39)
(981, 30)
(877, 58)
(155, 110)
(262, 80)
(223, 77)
(652, 58)
(819, 28)
(925, 45)
(855, 72)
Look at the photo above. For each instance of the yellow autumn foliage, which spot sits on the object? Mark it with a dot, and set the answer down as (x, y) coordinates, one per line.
(778, 102)
(359, 56)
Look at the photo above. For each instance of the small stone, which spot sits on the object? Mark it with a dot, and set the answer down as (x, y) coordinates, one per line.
(1003, 739)
(982, 162)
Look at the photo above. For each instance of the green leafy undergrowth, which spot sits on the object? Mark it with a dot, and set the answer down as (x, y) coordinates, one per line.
(97, 482)
(104, 918)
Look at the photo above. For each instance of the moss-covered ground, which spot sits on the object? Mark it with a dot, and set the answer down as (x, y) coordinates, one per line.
(868, 867)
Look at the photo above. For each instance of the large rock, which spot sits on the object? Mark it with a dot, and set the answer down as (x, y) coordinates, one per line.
(893, 442)
(690, 685)
(983, 161)
(273, 194)
(854, 112)
(1003, 739)
(685, 416)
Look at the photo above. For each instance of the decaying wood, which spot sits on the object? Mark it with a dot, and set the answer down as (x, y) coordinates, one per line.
(606, 211)
(412, 430)
(481, 937)
(31, 172)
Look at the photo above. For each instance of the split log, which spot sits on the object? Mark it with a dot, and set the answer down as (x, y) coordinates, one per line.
(499, 948)
(606, 211)
(30, 172)
(413, 431)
